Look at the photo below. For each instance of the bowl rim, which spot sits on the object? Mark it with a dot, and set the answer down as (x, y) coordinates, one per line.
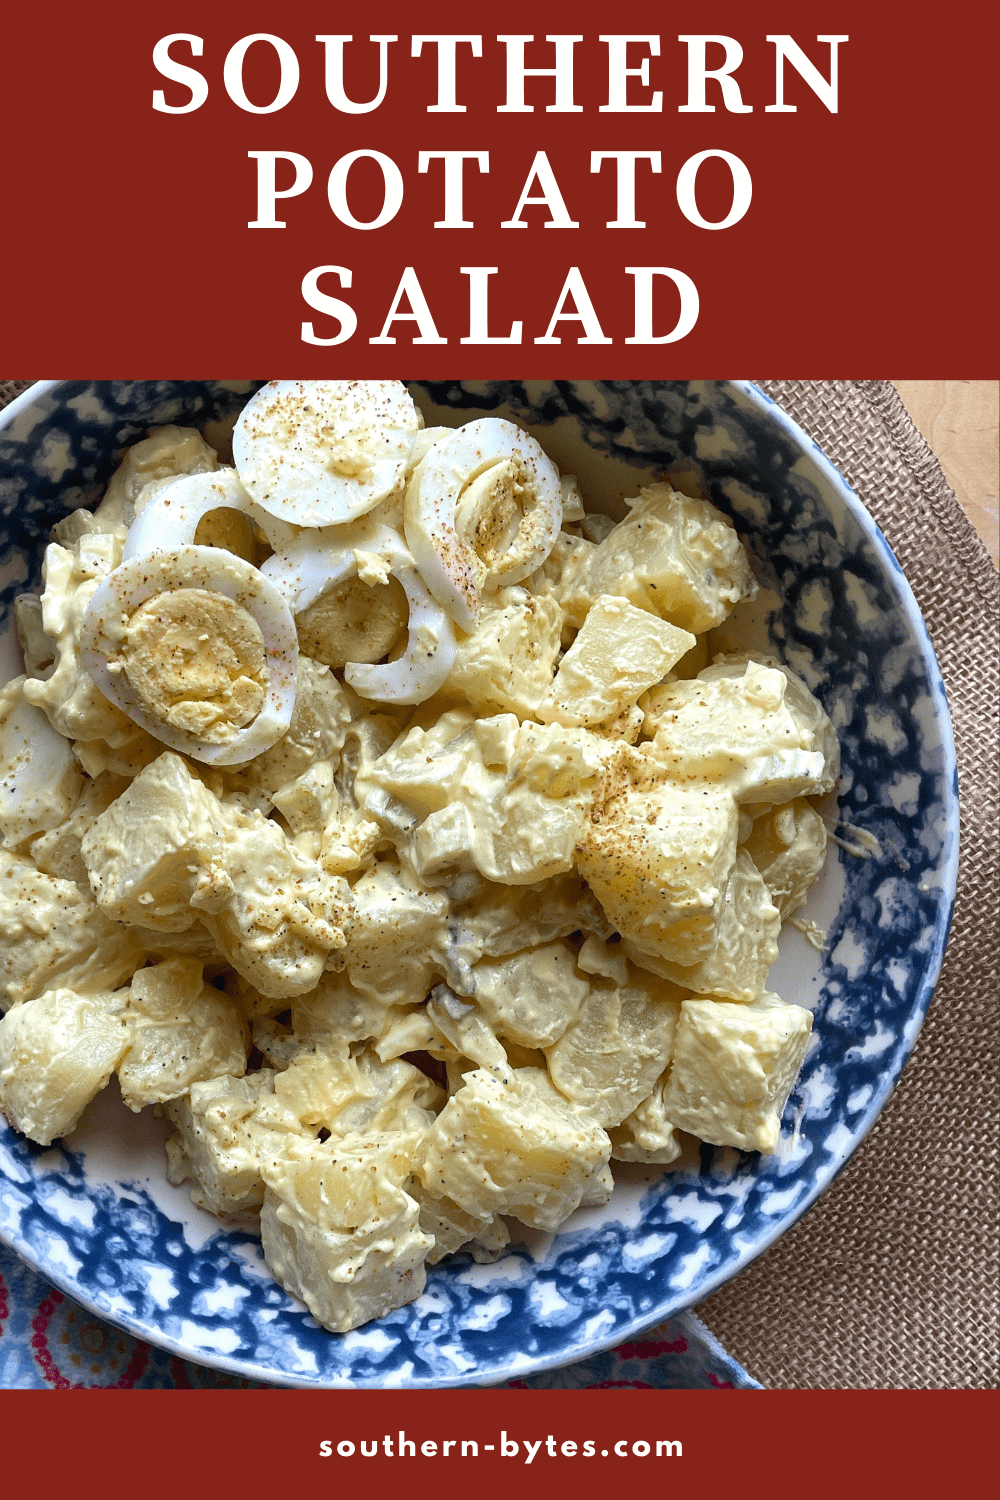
(930, 972)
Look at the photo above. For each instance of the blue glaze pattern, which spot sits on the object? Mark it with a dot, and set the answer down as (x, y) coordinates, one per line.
(845, 620)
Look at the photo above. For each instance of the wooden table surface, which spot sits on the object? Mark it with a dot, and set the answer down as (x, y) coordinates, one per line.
(959, 419)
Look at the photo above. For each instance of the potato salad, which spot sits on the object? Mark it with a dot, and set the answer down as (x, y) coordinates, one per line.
(375, 810)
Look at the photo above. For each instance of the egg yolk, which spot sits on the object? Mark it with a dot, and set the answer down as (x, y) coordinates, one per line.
(489, 511)
(196, 660)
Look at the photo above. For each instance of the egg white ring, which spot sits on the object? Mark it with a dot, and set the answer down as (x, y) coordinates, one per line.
(303, 574)
(140, 578)
(449, 565)
(286, 471)
(313, 561)
(171, 518)
(400, 681)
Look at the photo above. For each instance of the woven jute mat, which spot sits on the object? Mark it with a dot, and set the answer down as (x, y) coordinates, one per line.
(890, 1280)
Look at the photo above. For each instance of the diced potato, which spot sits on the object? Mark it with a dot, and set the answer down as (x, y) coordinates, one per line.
(317, 732)
(619, 653)
(284, 916)
(492, 795)
(169, 851)
(395, 926)
(75, 706)
(155, 846)
(329, 1089)
(531, 997)
(453, 1229)
(678, 558)
(40, 781)
(53, 933)
(506, 665)
(609, 1059)
(745, 947)
(498, 920)
(56, 1054)
(217, 1140)
(179, 1031)
(57, 852)
(341, 1233)
(658, 859)
(743, 727)
(733, 1069)
(647, 1135)
(605, 958)
(804, 707)
(336, 1010)
(518, 1148)
(788, 846)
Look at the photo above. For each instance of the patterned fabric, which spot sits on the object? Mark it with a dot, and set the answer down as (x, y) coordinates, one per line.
(48, 1342)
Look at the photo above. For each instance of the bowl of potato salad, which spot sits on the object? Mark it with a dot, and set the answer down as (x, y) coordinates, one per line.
(475, 858)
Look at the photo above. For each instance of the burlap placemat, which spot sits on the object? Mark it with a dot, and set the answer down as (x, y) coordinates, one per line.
(890, 1279)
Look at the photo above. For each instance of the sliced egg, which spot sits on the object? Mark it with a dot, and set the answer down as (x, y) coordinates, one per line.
(198, 648)
(312, 560)
(483, 509)
(427, 660)
(172, 517)
(322, 452)
(317, 563)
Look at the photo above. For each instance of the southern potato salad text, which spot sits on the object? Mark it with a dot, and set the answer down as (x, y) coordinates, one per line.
(373, 809)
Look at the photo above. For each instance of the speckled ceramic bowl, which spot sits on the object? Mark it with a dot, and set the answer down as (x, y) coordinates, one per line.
(94, 1213)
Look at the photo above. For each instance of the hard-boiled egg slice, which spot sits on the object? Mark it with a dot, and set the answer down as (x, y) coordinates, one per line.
(313, 559)
(427, 660)
(198, 648)
(426, 439)
(171, 518)
(322, 452)
(483, 510)
(317, 563)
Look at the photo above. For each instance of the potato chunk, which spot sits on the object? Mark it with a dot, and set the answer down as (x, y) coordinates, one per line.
(609, 1059)
(217, 1141)
(168, 852)
(505, 665)
(517, 1148)
(56, 1054)
(531, 997)
(340, 1232)
(658, 859)
(733, 1069)
(740, 727)
(788, 846)
(179, 1030)
(54, 933)
(493, 795)
(619, 653)
(647, 1134)
(745, 947)
(678, 558)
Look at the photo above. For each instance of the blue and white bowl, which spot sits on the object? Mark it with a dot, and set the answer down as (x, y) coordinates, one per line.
(95, 1214)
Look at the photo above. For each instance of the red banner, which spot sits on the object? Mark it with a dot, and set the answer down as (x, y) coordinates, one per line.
(500, 1442)
(794, 189)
